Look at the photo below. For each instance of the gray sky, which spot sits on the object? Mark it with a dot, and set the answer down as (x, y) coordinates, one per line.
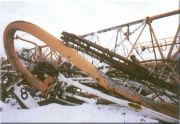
(80, 16)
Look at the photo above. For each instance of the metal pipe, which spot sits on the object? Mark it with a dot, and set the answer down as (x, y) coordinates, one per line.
(174, 41)
(114, 28)
(156, 41)
(134, 22)
(152, 43)
(165, 15)
(136, 41)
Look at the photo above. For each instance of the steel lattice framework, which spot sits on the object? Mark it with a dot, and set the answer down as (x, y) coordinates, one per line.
(123, 67)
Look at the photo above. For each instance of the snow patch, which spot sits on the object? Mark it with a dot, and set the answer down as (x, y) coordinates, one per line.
(82, 113)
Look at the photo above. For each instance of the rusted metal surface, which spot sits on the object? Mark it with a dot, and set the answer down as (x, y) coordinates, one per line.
(51, 41)
(171, 13)
(158, 49)
(75, 40)
(73, 57)
(118, 62)
(120, 65)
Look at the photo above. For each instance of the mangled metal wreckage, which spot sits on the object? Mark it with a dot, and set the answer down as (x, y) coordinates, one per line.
(55, 70)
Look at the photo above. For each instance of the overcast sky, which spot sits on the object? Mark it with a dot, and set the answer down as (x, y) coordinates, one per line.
(79, 16)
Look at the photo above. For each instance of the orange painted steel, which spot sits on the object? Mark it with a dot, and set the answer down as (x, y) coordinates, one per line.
(74, 58)
(51, 41)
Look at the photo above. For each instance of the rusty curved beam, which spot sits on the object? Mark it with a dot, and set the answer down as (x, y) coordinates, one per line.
(51, 41)
(77, 60)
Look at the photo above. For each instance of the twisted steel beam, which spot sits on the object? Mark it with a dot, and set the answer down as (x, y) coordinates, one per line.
(76, 59)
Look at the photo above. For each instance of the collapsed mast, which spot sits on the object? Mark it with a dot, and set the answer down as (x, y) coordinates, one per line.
(159, 75)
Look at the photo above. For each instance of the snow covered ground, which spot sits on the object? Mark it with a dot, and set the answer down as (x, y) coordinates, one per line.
(88, 112)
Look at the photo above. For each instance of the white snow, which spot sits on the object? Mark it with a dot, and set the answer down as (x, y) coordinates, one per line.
(82, 113)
